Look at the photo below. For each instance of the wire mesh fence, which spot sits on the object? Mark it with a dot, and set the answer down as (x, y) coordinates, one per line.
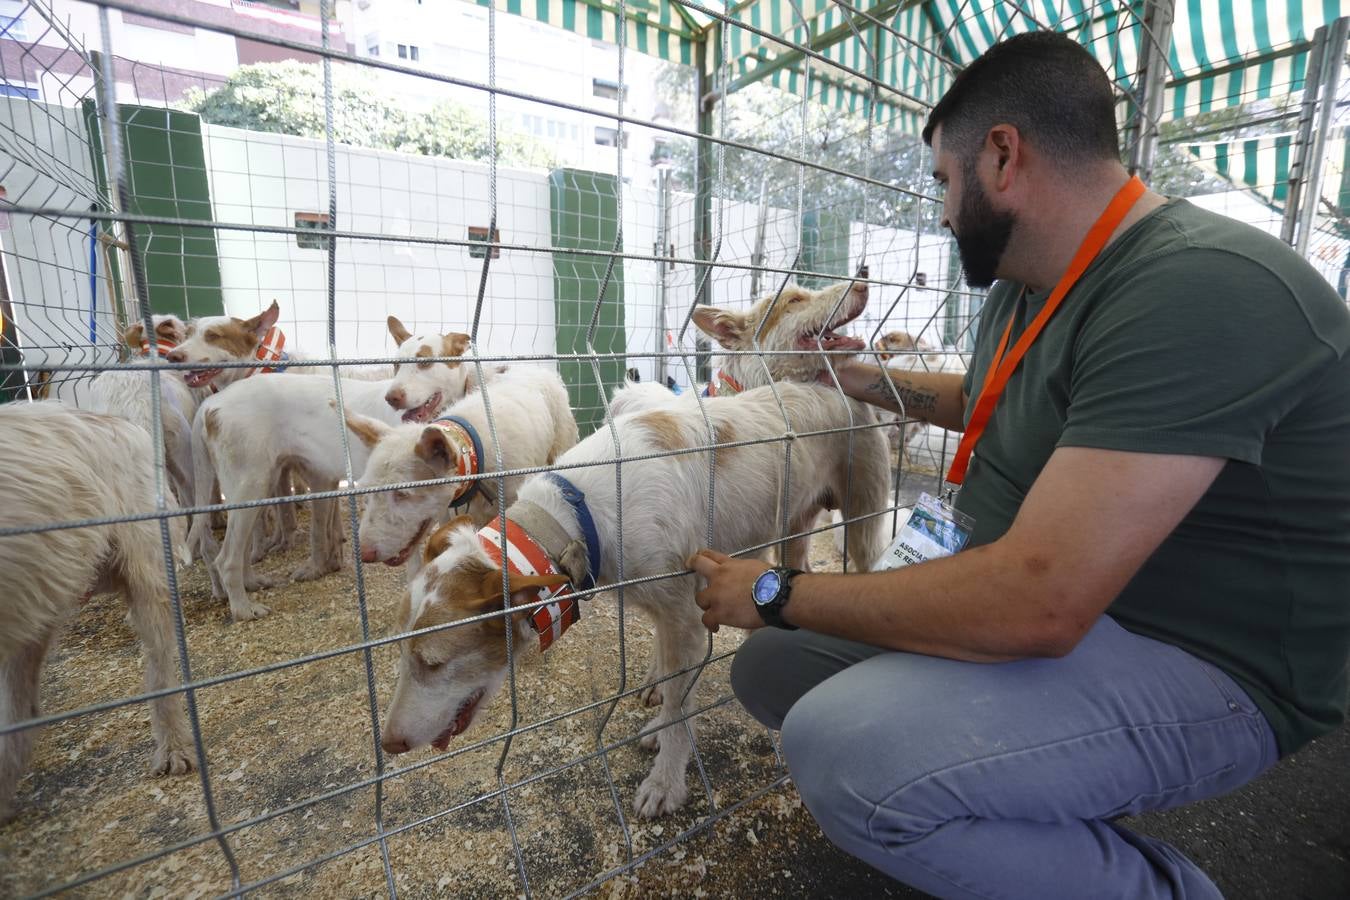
(444, 168)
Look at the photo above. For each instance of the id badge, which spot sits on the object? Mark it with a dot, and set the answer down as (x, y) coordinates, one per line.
(933, 530)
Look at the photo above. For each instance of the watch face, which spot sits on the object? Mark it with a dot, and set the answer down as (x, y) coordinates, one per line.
(766, 587)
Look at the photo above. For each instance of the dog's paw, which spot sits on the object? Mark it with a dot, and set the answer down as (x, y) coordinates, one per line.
(651, 695)
(172, 761)
(312, 571)
(251, 611)
(659, 794)
(255, 582)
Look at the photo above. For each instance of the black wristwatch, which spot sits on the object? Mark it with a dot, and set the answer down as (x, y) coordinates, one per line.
(770, 593)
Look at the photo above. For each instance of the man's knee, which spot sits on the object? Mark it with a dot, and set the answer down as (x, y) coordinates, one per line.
(823, 748)
(756, 675)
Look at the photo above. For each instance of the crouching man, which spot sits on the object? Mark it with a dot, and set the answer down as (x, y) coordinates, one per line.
(1148, 606)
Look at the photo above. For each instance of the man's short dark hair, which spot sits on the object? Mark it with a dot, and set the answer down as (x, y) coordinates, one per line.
(1043, 83)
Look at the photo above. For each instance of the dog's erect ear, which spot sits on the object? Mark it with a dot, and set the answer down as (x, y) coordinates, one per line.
(369, 430)
(397, 331)
(729, 328)
(454, 344)
(435, 449)
(264, 320)
(134, 336)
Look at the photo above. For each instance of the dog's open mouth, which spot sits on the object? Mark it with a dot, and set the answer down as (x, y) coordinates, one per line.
(463, 716)
(200, 377)
(424, 412)
(402, 556)
(827, 338)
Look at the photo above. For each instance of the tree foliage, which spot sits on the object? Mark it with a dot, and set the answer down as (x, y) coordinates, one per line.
(287, 98)
(769, 119)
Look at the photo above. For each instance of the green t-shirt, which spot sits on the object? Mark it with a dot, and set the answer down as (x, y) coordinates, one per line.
(1195, 334)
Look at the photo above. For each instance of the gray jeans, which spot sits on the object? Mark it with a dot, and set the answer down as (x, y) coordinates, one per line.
(980, 780)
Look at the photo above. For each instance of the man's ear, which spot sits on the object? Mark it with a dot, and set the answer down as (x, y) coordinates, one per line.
(397, 331)
(435, 449)
(1006, 143)
(727, 327)
(263, 321)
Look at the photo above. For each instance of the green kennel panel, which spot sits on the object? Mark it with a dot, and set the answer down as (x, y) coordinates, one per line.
(584, 216)
(166, 176)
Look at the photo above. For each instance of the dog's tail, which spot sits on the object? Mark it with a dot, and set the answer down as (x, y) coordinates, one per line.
(200, 539)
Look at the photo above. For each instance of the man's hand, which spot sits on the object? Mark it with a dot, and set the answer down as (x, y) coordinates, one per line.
(727, 599)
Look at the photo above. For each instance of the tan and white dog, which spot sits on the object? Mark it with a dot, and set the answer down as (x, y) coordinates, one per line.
(67, 465)
(447, 677)
(531, 423)
(421, 390)
(243, 435)
(806, 321)
(925, 446)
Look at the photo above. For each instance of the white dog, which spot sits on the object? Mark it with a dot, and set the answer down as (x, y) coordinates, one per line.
(806, 321)
(533, 427)
(447, 676)
(65, 464)
(243, 433)
(126, 393)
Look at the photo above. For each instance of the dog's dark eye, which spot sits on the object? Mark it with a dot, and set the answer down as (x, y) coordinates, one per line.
(424, 365)
(400, 496)
(794, 300)
(396, 368)
(211, 337)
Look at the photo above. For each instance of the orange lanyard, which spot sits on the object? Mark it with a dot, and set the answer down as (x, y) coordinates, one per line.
(1000, 369)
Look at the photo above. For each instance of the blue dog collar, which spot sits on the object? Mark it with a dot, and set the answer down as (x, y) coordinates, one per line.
(577, 500)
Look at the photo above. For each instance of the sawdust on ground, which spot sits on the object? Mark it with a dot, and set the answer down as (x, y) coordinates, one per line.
(276, 741)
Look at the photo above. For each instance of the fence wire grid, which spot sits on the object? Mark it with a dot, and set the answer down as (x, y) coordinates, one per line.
(568, 209)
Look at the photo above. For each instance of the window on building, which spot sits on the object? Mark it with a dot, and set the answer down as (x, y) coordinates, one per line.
(480, 233)
(609, 137)
(11, 22)
(373, 49)
(402, 51)
(316, 221)
(662, 152)
(18, 90)
(609, 90)
(413, 53)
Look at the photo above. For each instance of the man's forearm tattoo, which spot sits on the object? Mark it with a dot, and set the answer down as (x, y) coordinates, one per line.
(917, 401)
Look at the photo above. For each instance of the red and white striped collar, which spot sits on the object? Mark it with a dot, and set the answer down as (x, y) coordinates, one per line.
(524, 556)
(457, 432)
(729, 386)
(163, 347)
(270, 349)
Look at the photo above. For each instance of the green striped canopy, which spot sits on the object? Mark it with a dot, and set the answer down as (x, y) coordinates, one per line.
(1220, 54)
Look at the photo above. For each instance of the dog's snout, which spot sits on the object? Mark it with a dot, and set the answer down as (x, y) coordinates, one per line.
(396, 398)
(394, 745)
(176, 356)
(862, 271)
(368, 554)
